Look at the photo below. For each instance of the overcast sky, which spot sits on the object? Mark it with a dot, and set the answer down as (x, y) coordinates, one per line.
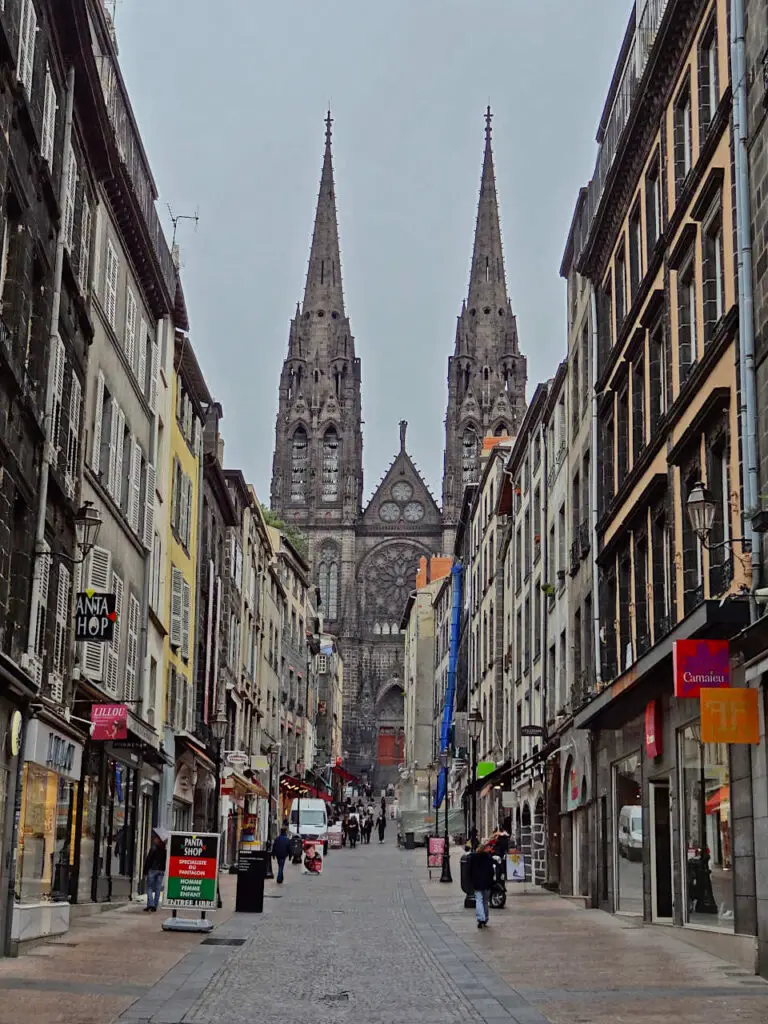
(230, 99)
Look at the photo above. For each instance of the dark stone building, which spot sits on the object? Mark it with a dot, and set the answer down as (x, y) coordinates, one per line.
(364, 558)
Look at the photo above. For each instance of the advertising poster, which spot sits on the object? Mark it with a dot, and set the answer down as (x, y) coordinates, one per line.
(313, 857)
(435, 852)
(193, 870)
(109, 722)
(515, 867)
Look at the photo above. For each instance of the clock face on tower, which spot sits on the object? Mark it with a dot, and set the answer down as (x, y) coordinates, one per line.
(413, 512)
(389, 512)
(402, 491)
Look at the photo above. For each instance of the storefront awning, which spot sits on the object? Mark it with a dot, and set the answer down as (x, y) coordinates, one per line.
(490, 781)
(344, 774)
(198, 751)
(720, 800)
(295, 787)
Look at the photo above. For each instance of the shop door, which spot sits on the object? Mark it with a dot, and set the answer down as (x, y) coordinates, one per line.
(576, 840)
(386, 751)
(661, 851)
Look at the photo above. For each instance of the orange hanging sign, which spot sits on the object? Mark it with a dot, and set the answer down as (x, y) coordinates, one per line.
(729, 716)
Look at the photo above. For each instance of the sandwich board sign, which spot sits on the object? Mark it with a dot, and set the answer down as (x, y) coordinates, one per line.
(95, 616)
(193, 871)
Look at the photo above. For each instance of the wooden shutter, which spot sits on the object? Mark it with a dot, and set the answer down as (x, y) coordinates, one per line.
(97, 420)
(114, 423)
(135, 487)
(73, 440)
(97, 578)
(177, 603)
(69, 199)
(129, 340)
(41, 611)
(190, 514)
(84, 263)
(27, 38)
(141, 371)
(185, 609)
(57, 369)
(63, 601)
(132, 653)
(113, 652)
(49, 118)
(154, 371)
(117, 482)
(175, 495)
(183, 509)
(148, 524)
(111, 271)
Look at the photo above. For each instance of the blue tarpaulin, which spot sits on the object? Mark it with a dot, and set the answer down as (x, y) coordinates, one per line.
(457, 574)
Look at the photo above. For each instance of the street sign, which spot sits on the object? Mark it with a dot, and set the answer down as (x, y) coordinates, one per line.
(532, 730)
(259, 763)
(193, 870)
(236, 757)
(109, 722)
(95, 616)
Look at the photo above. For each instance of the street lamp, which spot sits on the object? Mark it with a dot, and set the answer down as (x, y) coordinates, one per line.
(87, 527)
(701, 511)
(219, 730)
(475, 726)
(445, 874)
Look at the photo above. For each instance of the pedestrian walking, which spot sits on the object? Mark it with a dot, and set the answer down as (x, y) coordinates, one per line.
(381, 824)
(368, 828)
(353, 830)
(154, 870)
(482, 874)
(281, 851)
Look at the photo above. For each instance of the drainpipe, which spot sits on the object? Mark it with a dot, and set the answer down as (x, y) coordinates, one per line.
(53, 331)
(748, 409)
(593, 493)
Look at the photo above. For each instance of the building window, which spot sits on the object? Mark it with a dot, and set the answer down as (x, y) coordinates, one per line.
(27, 36)
(652, 207)
(330, 465)
(623, 434)
(469, 456)
(658, 365)
(661, 562)
(635, 251)
(686, 318)
(713, 278)
(621, 288)
(683, 137)
(606, 461)
(642, 631)
(693, 580)
(638, 408)
(49, 119)
(720, 565)
(111, 271)
(708, 78)
(328, 578)
(604, 324)
(299, 460)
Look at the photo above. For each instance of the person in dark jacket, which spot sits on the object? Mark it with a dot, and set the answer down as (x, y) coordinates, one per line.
(154, 870)
(281, 851)
(482, 875)
(381, 824)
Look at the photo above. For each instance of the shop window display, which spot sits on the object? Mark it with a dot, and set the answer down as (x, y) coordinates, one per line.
(706, 830)
(45, 835)
(628, 813)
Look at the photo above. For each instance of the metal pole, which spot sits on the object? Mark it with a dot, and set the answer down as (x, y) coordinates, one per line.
(473, 838)
(445, 874)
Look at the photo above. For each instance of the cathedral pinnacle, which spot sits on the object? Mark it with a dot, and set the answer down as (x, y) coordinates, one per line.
(487, 283)
(323, 294)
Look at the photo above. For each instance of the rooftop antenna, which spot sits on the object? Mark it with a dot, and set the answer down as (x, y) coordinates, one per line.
(175, 218)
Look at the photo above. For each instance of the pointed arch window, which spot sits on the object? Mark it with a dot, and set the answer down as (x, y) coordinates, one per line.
(328, 580)
(330, 465)
(501, 430)
(299, 463)
(469, 456)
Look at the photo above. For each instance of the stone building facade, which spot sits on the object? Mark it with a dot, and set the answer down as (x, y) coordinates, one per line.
(364, 557)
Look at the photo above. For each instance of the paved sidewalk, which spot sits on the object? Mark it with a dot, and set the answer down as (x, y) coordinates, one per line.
(579, 966)
(99, 968)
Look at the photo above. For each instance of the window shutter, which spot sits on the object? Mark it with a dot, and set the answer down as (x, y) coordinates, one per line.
(132, 654)
(69, 200)
(189, 515)
(113, 428)
(73, 441)
(113, 651)
(58, 367)
(27, 38)
(148, 524)
(42, 599)
(154, 371)
(117, 482)
(63, 599)
(129, 340)
(111, 271)
(185, 606)
(49, 119)
(183, 508)
(177, 599)
(98, 417)
(141, 372)
(84, 263)
(96, 578)
(135, 485)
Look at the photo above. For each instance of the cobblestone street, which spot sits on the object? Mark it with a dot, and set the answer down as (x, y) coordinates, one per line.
(374, 940)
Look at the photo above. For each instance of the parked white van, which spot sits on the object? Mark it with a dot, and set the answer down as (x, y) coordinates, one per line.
(309, 818)
(631, 832)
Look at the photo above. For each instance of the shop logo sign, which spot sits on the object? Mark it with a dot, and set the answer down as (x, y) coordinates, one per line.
(95, 616)
(653, 746)
(730, 716)
(109, 722)
(700, 664)
(61, 753)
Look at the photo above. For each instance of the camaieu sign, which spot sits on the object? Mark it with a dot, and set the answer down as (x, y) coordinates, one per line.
(700, 664)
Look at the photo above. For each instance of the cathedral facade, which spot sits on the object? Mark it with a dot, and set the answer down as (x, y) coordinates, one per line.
(364, 557)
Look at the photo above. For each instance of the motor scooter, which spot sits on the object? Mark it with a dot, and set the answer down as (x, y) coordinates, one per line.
(499, 888)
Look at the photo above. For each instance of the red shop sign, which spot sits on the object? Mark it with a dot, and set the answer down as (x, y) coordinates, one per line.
(109, 722)
(653, 740)
(700, 663)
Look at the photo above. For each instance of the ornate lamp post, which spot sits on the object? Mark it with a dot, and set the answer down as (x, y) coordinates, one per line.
(219, 729)
(475, 725)
(445, 874)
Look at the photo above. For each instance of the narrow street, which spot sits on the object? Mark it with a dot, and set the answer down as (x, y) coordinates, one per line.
(374, 940)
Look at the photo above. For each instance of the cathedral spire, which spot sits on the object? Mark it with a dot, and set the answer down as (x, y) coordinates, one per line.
(487, 283)
(323, 289)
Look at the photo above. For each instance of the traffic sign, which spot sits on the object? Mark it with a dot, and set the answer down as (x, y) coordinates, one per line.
(95, 616)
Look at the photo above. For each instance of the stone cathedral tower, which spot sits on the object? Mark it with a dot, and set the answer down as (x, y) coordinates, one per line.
(486, 373)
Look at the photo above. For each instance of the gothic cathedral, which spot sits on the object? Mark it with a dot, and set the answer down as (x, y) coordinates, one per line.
(365, 558)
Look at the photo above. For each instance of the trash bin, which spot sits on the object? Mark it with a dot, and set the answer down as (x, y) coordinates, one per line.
(297, 846)
(410, 840)
(466, 885)
(251, 872)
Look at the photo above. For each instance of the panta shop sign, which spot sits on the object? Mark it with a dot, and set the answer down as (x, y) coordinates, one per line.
(700, 664)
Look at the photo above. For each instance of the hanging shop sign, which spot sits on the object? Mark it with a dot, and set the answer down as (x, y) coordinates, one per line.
(259, 763)
(14, 733)
(532, 730)
(109, 722)
(193, 870)
(95, 616)
(236, 757)
(729, 716)
(653, 747)
(700, 663)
